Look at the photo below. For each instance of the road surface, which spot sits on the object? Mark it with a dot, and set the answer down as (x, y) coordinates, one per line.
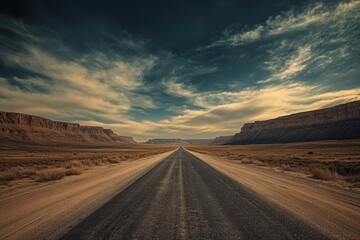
(184, 198)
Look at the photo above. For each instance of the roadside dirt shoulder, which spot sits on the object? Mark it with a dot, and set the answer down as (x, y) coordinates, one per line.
(331, 209)
(48, 210)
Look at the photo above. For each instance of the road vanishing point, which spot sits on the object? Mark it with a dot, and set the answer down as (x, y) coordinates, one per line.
(182, 197)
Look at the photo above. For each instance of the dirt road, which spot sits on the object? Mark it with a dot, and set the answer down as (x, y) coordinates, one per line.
(184, 198)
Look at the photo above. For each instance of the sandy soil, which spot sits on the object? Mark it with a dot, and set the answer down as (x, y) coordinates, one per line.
(330, 208)
(35, 210)
(337, 161)
(44, 162)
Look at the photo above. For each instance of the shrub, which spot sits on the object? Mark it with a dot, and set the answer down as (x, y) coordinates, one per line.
(247, 161)
(76, 164)
(113, 160)
(51, 174)
(9, 175)
(324, 174)
(73, 171)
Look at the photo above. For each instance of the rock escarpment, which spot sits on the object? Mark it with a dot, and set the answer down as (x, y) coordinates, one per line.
(23, 127)
(339, 122)
(223, 139)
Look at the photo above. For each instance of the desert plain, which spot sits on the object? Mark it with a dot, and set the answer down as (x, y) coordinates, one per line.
(47, 190)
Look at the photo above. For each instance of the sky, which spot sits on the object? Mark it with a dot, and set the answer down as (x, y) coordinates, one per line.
(177, 69)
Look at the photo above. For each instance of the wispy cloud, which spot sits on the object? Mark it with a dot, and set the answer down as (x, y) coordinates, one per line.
(290, 21)
(291, 66)
(64, 84)
(244, 36)
(241, 107)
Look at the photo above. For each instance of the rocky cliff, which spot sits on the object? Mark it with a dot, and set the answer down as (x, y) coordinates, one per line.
(339, 122)
(223, 139)
(23, 127)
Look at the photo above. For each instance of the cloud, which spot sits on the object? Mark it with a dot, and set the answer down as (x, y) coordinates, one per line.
(178, 89)
(315, 44)
(318, 14)
(245, 36)
(260, 104)
(245, 106)
(226, 112)
(60, 82)
(291, 66)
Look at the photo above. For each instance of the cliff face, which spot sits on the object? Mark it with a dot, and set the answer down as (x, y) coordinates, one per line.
(223, 139)
(339, 122)
(23, 127)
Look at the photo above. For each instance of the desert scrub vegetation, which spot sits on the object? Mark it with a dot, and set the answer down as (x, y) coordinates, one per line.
(56, 173)
(50, 174)
(324, 174)
(47, 163)
(326, 160)
(37, 174)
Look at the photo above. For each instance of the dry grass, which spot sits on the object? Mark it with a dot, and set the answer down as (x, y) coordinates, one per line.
(51, 174)
(46, 163)
(327, 160)
(73, 171)
(324, 174)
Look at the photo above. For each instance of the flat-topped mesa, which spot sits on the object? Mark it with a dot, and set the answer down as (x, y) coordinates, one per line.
(108, 132)
(23, 127)
(339, 122)
(93, 130)
(34, 121)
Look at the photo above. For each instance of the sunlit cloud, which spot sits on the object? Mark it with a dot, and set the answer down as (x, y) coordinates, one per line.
(290, 21)
(292, 66)
(237, 108)
(63, 84)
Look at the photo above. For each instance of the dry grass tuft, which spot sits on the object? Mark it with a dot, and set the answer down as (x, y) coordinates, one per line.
(16, 173)
(286, 167)
(247, 161)
(73, 171)
(114, 160)
(10, 175)
(76, 164)
(51, 174)
(324, 174)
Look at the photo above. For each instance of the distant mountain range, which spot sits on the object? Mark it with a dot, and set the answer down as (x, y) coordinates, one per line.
(28, 128)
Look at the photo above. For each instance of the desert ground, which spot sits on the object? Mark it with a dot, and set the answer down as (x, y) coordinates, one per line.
(32, 209)
(41, 163)
(335, 161)
(190, 192)
(331, 207)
